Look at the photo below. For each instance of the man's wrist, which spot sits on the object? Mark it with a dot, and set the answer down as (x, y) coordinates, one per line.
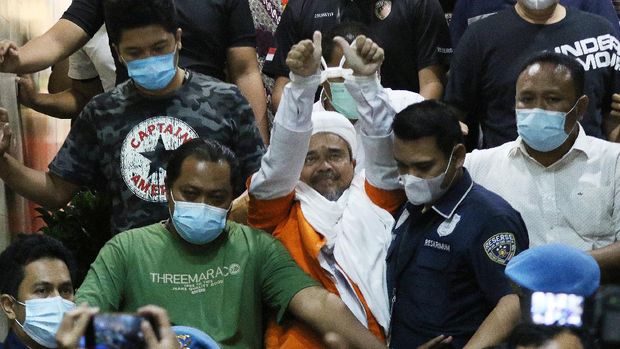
(313, 79)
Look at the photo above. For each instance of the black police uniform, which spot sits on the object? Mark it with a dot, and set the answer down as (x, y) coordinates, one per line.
(446, 265)
(413, 33)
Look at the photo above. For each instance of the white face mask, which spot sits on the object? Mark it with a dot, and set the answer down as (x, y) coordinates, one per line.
(422, 191)
(43, 317)
(539, 4)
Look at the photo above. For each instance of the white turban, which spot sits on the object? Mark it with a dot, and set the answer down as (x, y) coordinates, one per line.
(401, 99)
(332, 122)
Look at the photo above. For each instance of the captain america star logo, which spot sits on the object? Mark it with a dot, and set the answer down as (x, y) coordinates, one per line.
(145, 153)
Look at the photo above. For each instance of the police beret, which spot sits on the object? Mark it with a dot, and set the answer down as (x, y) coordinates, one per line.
(555, 268)
(192, 338)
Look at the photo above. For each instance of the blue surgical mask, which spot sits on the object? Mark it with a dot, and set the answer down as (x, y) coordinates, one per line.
(153, 73)
(198, 223)
(542, 130)
(43, 317)
(342, 100)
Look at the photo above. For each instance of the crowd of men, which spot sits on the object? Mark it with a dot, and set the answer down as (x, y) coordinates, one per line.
(392, 200)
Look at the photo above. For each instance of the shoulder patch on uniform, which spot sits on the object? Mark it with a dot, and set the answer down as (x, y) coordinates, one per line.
(501, 247)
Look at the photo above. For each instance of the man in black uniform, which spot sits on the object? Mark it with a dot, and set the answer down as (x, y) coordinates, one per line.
(413, 33)
(453, 237)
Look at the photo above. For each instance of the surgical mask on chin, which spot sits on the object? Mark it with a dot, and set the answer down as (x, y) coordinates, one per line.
(422, 191)
(198, 223)
(538, 4)
(43, 317)
(342, 100)
(542, 130)
(153, 73)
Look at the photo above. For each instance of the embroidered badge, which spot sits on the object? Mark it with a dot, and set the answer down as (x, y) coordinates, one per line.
(383, 9)
(501, 247)
(447, 227)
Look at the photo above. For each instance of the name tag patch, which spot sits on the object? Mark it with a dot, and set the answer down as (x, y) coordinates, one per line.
(437, 245)
(501, 247)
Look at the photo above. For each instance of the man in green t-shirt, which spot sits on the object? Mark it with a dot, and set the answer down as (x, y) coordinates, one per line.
(207, 272)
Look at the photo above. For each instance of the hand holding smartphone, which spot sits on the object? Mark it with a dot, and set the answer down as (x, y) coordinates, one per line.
(117, 331)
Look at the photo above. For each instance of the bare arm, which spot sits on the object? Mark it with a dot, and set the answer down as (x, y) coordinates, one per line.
(64, 38)
(43, 188)
(64, 105)
(608, 259)
(325, 312)
(498, 325)
(276, 94)
(431, 82)
(243, 71)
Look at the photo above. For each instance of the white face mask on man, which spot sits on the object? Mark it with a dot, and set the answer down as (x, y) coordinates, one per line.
(43, 317)
(422, 191)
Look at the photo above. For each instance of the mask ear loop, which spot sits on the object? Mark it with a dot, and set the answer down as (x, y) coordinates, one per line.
(576, 120)
(171, 213)
(448, 167)
(323, 96)
(323, 63)
(342, 60)
(23, 305)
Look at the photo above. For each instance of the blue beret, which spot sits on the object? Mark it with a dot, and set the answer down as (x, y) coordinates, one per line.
(192, 338)
(555, 268)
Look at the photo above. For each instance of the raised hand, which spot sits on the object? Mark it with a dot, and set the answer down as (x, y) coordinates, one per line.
(27, 90)
(167, 339)
(5, 131)
(304, 57)
(364, 56)
(9, 56)
(73, 326)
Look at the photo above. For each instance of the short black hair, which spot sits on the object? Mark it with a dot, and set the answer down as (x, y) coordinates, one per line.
(429, 119)
(205, 150)
(122, 15)
(577, 73)
(348, 30)
(27, 249)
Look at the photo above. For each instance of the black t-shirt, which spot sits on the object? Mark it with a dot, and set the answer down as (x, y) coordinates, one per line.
(486, 63)
(414, 34)
(209, 28)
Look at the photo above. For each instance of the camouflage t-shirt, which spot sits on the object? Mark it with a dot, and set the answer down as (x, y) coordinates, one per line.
(122, 140)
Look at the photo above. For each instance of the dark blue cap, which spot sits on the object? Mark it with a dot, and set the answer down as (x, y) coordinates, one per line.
(555, 268)
(192, 338)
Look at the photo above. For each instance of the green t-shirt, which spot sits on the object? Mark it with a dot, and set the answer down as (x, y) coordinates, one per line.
(219, 287)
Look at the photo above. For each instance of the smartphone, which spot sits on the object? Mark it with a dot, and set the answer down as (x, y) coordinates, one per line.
(556, 309)
(116, 331)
